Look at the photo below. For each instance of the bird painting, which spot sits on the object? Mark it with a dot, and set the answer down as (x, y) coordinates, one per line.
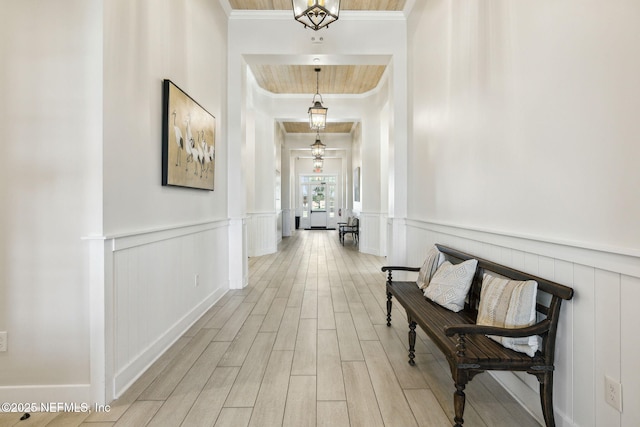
(209, 154)
(179, 139)
(198, 155)
(190, 143)
(189, 159)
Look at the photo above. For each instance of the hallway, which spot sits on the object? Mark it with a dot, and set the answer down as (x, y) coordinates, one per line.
(304, 344)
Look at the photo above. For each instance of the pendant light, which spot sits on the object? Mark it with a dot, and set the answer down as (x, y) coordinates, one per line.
(317, 113)
(316, 14)
(318, 162)
(317, 148)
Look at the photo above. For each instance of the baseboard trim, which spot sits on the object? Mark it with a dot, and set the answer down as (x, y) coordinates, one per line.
(134, 369)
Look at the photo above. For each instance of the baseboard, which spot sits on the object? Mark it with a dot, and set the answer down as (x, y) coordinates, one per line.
(130, 373)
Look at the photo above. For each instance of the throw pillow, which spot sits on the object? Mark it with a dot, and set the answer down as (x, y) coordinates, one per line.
(450, 284)
(431, 263)
(509, 304)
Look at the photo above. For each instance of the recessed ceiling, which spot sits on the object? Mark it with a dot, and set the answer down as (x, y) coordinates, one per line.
(332, 127)
(333, 79)
(344, 4)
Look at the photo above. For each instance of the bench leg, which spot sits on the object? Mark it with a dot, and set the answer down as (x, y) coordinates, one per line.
(389, 308)
(458, 404)
(546, 398)
(412, 342)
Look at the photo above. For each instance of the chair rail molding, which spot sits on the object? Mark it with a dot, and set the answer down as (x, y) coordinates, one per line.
(622, 260)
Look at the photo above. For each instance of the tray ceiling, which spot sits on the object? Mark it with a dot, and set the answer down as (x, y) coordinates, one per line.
(333, 79)
(344, 4)
(332, 127)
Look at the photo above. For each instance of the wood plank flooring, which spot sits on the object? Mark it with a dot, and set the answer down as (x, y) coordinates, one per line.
(305, 344)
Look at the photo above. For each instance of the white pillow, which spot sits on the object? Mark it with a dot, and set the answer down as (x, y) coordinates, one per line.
(450, 284)
(509, 304)
(431, 263)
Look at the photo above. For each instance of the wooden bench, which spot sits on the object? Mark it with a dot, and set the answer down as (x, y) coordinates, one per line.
(467, 349)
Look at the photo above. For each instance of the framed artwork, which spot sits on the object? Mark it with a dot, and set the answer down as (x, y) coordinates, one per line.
(356, 184)
(188, 141)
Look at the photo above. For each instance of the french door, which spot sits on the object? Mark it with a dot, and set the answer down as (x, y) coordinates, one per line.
(318, 201)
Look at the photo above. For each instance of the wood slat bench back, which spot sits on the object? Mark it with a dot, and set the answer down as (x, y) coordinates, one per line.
(549, 293)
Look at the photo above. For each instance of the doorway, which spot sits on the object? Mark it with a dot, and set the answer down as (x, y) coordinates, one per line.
(318, 201)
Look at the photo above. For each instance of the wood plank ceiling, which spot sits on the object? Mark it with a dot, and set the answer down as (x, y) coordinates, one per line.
(344, 4)
(332, 127)
(333, 79)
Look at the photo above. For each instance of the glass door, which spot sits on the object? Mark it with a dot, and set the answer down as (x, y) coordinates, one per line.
(305, 208)
(318, 201)
(318, 205)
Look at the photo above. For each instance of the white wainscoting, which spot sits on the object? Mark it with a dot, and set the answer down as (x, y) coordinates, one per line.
(157, 284)
(597, 334)
(372, 233)
(262, 233)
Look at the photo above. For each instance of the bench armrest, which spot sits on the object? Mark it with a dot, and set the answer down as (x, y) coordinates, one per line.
(470, 329)
(392, 268)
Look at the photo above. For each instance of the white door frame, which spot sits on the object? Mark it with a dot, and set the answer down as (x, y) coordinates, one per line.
(309, 218)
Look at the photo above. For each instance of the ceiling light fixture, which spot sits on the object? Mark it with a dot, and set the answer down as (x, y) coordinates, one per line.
(316, 14)
(318, 162)
(317, 148)
(317, 113)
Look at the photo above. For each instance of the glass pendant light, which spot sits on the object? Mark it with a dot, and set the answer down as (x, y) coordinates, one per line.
(317, 113)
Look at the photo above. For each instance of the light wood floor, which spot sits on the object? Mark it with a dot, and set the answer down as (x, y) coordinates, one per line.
(305, 344)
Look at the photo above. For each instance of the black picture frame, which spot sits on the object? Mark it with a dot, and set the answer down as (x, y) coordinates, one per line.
(188, 140)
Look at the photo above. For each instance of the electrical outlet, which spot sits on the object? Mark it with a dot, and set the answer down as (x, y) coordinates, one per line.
(613, 393)
(3, 341)
(197, 280)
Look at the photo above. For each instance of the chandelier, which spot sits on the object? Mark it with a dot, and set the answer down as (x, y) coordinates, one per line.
(316, 14)
(317, 148)
(317, 113)
(317, 151)
(318, 162)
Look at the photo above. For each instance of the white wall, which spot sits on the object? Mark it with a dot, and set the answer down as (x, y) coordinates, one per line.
(356, 162)
(50, 186)
(85, 222)
(146, 42)
(508, 81)
(523, 149)
(167, 247)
